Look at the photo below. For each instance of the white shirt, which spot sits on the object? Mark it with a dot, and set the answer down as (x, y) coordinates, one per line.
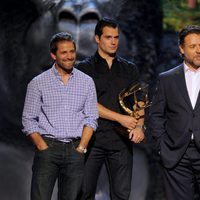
(193, 83)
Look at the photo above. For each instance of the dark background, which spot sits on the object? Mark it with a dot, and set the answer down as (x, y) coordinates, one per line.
(26, 27)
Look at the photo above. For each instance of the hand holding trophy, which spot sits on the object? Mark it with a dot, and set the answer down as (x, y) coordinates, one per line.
(134, 100)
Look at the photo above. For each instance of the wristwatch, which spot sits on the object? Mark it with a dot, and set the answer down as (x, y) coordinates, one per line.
(82, 149)
(143, 127)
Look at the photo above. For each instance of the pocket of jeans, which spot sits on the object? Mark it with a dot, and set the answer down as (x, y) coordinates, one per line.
(77, 152)
(43, 150)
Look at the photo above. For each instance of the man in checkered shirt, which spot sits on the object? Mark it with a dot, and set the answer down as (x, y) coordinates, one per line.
(60, 114)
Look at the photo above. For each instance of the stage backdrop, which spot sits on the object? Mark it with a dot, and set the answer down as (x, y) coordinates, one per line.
(26, 27)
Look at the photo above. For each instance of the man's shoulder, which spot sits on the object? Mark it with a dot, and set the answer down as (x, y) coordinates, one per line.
(87, 62)
(81, 75)
(42, 76)
(172, 71)
(127, 63)
(87, 65)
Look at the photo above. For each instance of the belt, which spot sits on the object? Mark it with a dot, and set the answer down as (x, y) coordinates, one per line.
(55, 140)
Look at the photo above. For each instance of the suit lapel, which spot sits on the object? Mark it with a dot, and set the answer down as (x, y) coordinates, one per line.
(198, 102)
(181, 83)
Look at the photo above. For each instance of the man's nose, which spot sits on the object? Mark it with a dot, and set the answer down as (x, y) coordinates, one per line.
(198, 49)
(70, 56)
(113, 41)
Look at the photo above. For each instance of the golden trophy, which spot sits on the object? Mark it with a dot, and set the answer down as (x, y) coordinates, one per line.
(133, 100)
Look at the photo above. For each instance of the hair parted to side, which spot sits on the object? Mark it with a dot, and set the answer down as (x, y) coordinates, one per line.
(186, 31)
(58, 37)
(105, 22)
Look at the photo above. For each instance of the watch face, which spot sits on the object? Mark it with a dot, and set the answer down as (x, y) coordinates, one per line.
(84, 150)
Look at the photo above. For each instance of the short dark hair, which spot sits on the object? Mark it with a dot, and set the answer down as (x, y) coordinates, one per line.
(109, 22)
(58, 37)
(186, 31)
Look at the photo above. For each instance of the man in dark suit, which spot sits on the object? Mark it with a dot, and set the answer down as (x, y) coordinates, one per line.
(175, 119)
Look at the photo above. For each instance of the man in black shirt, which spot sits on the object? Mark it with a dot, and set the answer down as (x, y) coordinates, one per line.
(111, 74)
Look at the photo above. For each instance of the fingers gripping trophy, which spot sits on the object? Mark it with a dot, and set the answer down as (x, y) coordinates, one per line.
(134, 100)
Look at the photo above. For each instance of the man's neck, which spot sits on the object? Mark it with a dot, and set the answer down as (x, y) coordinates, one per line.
(65, 74)
(192, 67)
(108, 57)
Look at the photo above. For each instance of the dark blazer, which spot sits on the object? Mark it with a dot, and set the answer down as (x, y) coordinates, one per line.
(172, 118)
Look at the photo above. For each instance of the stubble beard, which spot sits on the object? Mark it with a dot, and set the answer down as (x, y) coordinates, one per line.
(194, 64)
(67, 69)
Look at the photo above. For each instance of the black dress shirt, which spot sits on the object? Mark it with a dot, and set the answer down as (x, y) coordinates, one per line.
(109, 83)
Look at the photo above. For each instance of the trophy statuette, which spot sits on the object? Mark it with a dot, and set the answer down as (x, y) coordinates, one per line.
(137, 101)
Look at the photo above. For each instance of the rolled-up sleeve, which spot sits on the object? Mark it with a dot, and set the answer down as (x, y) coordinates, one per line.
(91, 110)
(32, 108)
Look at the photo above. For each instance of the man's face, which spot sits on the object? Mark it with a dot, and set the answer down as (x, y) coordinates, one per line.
(191, 50)
(108, 42)
(65, 55)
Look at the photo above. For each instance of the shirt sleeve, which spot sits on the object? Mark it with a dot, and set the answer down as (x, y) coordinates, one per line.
(32, 108)
(91, 110)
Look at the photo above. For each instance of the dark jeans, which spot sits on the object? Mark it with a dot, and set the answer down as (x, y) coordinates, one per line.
(180, 181)
(60, 161)
(119, 167)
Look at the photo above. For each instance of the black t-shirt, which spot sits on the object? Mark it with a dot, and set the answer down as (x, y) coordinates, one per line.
(109, 83)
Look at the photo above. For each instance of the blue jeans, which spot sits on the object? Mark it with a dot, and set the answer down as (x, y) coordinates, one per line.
(60, 161)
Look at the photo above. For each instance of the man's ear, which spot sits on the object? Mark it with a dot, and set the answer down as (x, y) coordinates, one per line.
(181, 49)
(53, 56)
(97, 39)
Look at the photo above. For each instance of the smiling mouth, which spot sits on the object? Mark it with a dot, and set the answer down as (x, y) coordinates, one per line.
(67, 61)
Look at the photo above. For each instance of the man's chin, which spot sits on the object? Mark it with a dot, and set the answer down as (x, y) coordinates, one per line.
(112, 54)
(196, 65)
(68, 66)
(69, 69)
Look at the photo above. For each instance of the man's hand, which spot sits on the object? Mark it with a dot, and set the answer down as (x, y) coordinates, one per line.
(38, 141)
(42, 146)
(137, 135)
(127, 121)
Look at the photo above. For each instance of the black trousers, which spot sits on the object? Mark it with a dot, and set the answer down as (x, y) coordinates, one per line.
(119, 167)
(180, 181)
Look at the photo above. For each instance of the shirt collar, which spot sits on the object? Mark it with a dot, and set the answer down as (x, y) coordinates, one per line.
(100, 59)
(187, 69)
(55, 72)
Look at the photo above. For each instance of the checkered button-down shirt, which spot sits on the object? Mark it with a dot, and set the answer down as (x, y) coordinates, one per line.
(57, 110)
